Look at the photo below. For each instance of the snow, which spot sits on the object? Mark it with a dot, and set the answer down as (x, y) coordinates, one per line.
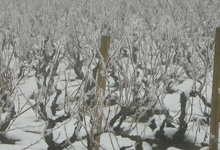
(158, 35)
(146, 146)
(27, 128)
(110, 141)
(173, 148)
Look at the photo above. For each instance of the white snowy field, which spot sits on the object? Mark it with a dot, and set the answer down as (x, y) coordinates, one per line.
(158, 74)
(27, 127)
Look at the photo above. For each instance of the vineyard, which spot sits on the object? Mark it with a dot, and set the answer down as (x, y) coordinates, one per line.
(157, 75)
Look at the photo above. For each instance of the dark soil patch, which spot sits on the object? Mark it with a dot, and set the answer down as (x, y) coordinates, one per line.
(163, 145)
(5, 140)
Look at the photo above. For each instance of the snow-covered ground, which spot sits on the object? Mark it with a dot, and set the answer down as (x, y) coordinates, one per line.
(158, 76)
(28, 129)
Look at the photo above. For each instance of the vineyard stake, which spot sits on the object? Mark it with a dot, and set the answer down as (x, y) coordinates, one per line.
(214, 126)
(101, 82)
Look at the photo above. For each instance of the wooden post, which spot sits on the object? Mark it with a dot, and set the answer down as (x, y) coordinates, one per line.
(105, 45)
(214, 126)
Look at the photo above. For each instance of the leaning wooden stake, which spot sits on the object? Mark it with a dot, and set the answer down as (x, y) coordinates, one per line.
(105, 45)
(214, 126)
